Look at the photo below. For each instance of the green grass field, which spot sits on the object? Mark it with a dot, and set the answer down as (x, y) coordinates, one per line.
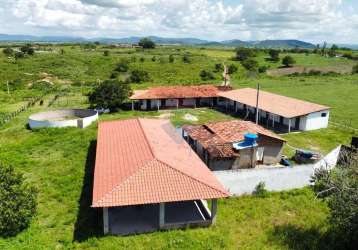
(59, 162)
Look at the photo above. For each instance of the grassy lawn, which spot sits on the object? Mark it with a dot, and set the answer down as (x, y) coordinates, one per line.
(59, 162)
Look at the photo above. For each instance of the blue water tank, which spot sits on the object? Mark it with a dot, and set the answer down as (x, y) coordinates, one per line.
(250, 138)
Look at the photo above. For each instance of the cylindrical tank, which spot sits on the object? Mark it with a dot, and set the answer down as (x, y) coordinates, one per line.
(250, 139)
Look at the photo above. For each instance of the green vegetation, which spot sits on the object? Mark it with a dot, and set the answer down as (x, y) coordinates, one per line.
(339, 188)
(17, 202)
(146, 43)
(109, 94)
(288, 61)
(59, 162)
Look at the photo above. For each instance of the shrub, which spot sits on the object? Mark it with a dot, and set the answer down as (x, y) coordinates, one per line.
(339, 188)
(154, 58)
(171, 58)
(231, 69)
(243, 53)
(250, 64)
(260, 190)
(263, 69)
(17, 202)
(142, 59)
(42, 85)
(219, 67)
(13, 85)
(122, 66)
(186, 58)
(106, 53)
(138, 76)
(19, 55)
(206, 75)
(274, 55)
(146, 43)
(355, 69)
(288, 61)
(8, 51)
(110, 94)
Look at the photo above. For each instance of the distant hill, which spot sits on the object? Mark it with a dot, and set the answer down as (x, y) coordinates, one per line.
(160, 40)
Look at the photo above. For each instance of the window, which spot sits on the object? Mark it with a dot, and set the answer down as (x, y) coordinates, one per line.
(323, 114)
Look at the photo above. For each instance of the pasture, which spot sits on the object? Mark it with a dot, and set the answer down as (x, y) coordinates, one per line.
(59, 162)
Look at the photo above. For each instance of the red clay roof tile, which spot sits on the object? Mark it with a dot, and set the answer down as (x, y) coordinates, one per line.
(143, 161)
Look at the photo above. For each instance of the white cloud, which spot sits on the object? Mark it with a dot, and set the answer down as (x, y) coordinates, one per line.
(313, 20)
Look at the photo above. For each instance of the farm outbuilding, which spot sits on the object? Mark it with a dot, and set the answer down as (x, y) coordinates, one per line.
(148, 178)
(276, 111)
(281, 113)
(234, 144)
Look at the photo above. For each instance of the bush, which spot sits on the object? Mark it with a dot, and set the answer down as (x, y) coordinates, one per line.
(243, 53)
(142, 59)
(106, 53)
(219, 67)
(138, 76)
(250, 64)
(8, 51)
(231, 69)
(339, 188)
(19, 55)
(263, 69)
(206, 75)
(288, 61)
(260, 190)
(274, 55)
(355, 69)
(17, 202)
(110, 94)
(154, 58)
(146, 43)
(186, 58)
(13, 85)
(122, 66)
(42, 85)
(171, 58)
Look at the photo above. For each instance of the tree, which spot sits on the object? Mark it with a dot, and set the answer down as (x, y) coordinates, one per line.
(219, 67)
(334, 47)
(206, 75)
(146, 43)
(186, 58)
(288, 61)
(231, 69)
(250, 64)
(8, 51)
(339, 188)
(30, 51)
(138, 76)
(122, 66)
(19, 55)
(274, 55)
(106, 53)
(171, 58)
(355, 69)
(243, 53)
(17, 202)
(110, 94)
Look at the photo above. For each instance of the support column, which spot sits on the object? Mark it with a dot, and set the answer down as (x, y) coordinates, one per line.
(289, 125)
(161, 215)
(214, 207)
(235, 107)
(132, 105)
(177, 103)
(273, 120)
(105, 221)
(158, 101)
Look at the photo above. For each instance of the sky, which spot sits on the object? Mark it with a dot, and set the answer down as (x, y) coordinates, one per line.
(334, 21)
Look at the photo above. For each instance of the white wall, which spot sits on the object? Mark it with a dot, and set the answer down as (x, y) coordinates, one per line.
(171, 102)
(314, 121)
(154, 104)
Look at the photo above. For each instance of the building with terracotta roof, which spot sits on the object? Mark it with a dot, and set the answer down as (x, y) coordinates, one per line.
(275, 111)
(234, 144)
(282, 111)
(148, 178)
(177, 96)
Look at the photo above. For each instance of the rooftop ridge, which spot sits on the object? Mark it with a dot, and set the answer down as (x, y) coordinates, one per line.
(191, 177)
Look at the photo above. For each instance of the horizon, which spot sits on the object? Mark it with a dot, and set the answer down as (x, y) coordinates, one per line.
(306, 20)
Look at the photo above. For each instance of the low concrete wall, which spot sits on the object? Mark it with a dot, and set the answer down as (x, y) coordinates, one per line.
(239, 182)
(56, 119)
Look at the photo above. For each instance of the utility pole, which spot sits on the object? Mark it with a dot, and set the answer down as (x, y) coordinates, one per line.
(8, 89)
(257, 103)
